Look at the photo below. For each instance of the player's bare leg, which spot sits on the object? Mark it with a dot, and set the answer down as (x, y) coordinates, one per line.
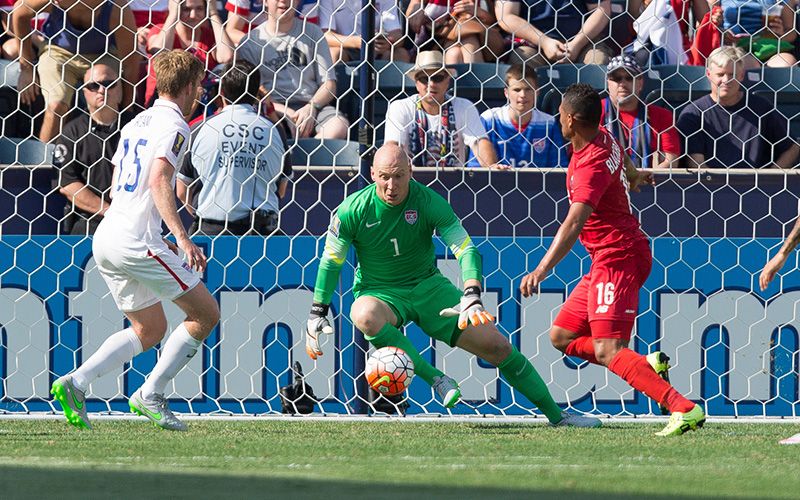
(637, 371)
(202, 314)
(485, 341)
(375, 319)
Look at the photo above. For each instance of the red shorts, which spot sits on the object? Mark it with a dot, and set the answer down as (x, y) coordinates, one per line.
(605, 302)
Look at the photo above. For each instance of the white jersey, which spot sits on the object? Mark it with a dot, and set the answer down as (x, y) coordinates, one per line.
(132, 221)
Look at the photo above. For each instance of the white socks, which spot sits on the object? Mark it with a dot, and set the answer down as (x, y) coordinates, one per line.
(178, 350)
(117, 350)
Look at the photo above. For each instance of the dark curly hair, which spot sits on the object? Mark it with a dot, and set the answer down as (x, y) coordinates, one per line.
(583, 103)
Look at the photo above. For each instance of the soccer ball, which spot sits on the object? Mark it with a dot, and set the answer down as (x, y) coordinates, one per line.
(389, 371)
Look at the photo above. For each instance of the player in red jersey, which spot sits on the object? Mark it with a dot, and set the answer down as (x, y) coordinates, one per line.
(595, 322)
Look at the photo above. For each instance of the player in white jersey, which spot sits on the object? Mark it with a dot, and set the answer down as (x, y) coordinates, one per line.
(140, 267)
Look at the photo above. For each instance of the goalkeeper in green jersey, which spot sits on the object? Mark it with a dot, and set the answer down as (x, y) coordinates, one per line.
(391, 224)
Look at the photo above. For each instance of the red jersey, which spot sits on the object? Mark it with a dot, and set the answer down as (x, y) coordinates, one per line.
(596, 177)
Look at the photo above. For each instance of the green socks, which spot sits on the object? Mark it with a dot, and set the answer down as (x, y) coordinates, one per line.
(391, 336)
(520, 373)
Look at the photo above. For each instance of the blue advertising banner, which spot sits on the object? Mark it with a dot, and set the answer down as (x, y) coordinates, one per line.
(731, 346)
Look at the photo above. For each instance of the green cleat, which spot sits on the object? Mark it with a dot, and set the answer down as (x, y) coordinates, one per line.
(447, 390)
(156, 410)
(73, 402)
(660, 363)
(680, 423)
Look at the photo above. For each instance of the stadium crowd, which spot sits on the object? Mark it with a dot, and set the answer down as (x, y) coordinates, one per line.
(686, 83)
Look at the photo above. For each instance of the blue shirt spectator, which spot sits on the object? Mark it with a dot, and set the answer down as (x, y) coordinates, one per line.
(521, 135)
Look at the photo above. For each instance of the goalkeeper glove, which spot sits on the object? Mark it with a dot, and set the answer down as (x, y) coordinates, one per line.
(317, 323)
(469, 310)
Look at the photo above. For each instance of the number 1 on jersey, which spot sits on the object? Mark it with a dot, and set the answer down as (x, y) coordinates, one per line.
(396, 248)
(130, 186)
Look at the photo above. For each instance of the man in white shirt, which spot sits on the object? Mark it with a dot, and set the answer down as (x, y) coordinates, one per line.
(139, 266)
(434, 127)
(341, 22)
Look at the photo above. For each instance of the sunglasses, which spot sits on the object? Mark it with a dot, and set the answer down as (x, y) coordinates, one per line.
(621, 78)
(95, 86)
(437, 78)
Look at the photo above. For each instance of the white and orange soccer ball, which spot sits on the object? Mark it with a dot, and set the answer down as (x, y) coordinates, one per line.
(389, 371)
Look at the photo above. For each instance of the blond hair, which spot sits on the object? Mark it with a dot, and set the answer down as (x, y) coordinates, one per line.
(721, 56)
(175, 70)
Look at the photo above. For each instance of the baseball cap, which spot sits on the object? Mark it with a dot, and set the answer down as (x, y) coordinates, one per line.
(625, 62)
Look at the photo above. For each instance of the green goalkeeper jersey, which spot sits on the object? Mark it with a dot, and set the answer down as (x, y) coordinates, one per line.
(394, 244)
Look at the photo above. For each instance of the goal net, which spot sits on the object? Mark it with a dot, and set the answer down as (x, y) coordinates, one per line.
(733, 348)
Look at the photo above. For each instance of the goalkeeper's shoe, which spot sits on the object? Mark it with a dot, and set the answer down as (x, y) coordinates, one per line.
(792, 440)
(157, 410)
(574, 420)
(660, 363)
(680, 423)
(447, 390)
(73, 402)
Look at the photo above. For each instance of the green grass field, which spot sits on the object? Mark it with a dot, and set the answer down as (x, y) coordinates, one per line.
(393, 460)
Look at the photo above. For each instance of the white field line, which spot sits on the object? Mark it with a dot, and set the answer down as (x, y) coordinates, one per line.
(439, 418)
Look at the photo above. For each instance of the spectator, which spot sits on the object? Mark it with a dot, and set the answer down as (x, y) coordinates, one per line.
(764, 28)
(462, 29)
(9, 46)
(78, 34)
(296, 71)
(659, 39)
(646, 131)
(521, 135)
(192, 25)
(435, 127)
(554, 31)
(724, 129)
(238, 163)
(148, 13)
(84, 150)
(246, 15)
(341, 22)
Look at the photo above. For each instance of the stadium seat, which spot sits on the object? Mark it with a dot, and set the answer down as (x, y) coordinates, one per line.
(555, 79)
(390, 83)
(325, 153)
(673, 87)
(483, 84)
(9, 73)
(25, 152)
(561, 76)
(784, 80)
(781, 87)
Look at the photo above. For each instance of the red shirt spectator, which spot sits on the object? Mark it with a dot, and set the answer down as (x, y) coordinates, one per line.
(202, 48)
(647, 132)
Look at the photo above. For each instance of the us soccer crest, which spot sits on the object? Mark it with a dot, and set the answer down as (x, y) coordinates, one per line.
(411, 217)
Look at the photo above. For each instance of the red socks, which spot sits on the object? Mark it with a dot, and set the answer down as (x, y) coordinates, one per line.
(582, 347)
(634, 369)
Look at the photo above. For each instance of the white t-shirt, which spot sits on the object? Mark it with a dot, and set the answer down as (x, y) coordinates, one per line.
(401, 119)
(132, 219)
(344, 16)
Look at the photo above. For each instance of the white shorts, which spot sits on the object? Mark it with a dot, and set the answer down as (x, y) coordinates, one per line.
(141, 279)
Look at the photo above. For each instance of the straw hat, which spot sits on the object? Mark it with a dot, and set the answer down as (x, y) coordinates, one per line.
(429, 60)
